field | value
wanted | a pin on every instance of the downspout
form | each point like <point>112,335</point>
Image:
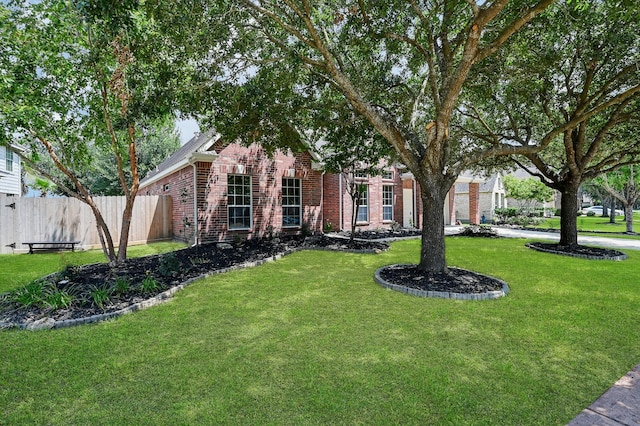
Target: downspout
<point>415,204</point>
<point>195,204</point>
<point>340,203</point>
<point>322,202</point>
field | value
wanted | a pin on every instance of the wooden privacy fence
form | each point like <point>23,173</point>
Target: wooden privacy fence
<point>67,219</point>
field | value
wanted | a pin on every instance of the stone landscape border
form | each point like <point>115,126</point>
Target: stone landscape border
<point>442,294</point>
<point>578,255</point>
<point>47,323</point>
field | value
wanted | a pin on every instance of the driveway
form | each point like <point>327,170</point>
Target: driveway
<point>614,243</point>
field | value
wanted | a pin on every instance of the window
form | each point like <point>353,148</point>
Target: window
<point>239,201</point>
<point>498,201</point>
<point>363,204</point>
<point>9,161</point>
<point>360,175</point>
<point>291,202</point>
<point>387,175</point>
<point>387,203</point>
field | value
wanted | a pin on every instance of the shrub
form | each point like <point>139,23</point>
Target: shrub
<point>478,231</point>
<point>30,295</point>
<point>305,229</point>
<point>100,295</point>
<point>58,299</point>
<point>591,214</point>
<point>121,285</point>
<point>169,265</point>
<point>149,284</point>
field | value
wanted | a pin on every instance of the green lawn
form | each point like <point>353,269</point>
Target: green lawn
<point>311,339</point>
<point>588,224</point>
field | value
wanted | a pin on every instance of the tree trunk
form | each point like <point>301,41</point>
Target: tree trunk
<point>569,216</point>
<point>612,211</point>
<point>432,253</point>
<point>125,228</point>
<point>628,217</point>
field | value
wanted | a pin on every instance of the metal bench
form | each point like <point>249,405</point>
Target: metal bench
<point>51,245</point>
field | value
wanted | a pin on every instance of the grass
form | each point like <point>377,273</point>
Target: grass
<point>590,224</point>
<point>311,339</point>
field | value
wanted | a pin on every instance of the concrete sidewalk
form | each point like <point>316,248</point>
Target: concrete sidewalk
<point>620,405</point>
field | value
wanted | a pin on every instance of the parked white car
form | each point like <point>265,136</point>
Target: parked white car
<point>598,211</point>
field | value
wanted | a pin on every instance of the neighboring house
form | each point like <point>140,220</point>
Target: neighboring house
<point>10,170</point>
<point>549,206</point>
<point>226,191</point>
<point>492,196</point>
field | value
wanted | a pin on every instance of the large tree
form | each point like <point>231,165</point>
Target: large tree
<point>401,65</point>
<point>577,68</point>
<point>78,78</point>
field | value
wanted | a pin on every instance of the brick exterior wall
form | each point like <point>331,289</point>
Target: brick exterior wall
<point>339,214</point>
<point>266,186</point>
<point>474,202</point>
<point>179,186</point>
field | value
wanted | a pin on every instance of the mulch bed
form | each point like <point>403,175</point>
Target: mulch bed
<point>166,271</point>
<point>453,281</point>
<point>585,252</point>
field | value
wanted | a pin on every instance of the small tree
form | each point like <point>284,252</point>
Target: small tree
<point>621,185</point>
<point>527,192</point>
<point>77,80</point>
<point>362,157</point>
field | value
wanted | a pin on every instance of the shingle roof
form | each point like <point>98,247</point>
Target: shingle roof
<point>199,143</point>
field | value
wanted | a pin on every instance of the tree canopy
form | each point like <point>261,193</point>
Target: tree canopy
<point>78,78</point>
<point>272,66</point>
<point>576,69</point>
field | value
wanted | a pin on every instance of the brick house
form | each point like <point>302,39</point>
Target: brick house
<point>492,195</point>
<point>225,191</point>
<point>240,192</point>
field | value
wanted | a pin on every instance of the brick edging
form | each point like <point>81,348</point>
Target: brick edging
<point>441,294</point>
<point>581,256</point>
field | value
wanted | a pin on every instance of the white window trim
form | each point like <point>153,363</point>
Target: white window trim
<point>366,198</point>
<point>299,205</point>
<point>9,159</point>
<point>387,205</point>
<point>229,206</point>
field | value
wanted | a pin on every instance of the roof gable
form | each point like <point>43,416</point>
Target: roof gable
<point>200,143</point>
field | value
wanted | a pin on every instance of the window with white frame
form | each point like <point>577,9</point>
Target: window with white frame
<point>387,175</point>
<point>387,202</point>
<point>9,164</point>
<point>360,175</point>
<point>239,201</point>
<point>363,204</point>
<point>291,202</point>
<point>3,158</point>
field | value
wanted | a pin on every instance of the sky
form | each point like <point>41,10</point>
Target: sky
<point>187,129</point>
